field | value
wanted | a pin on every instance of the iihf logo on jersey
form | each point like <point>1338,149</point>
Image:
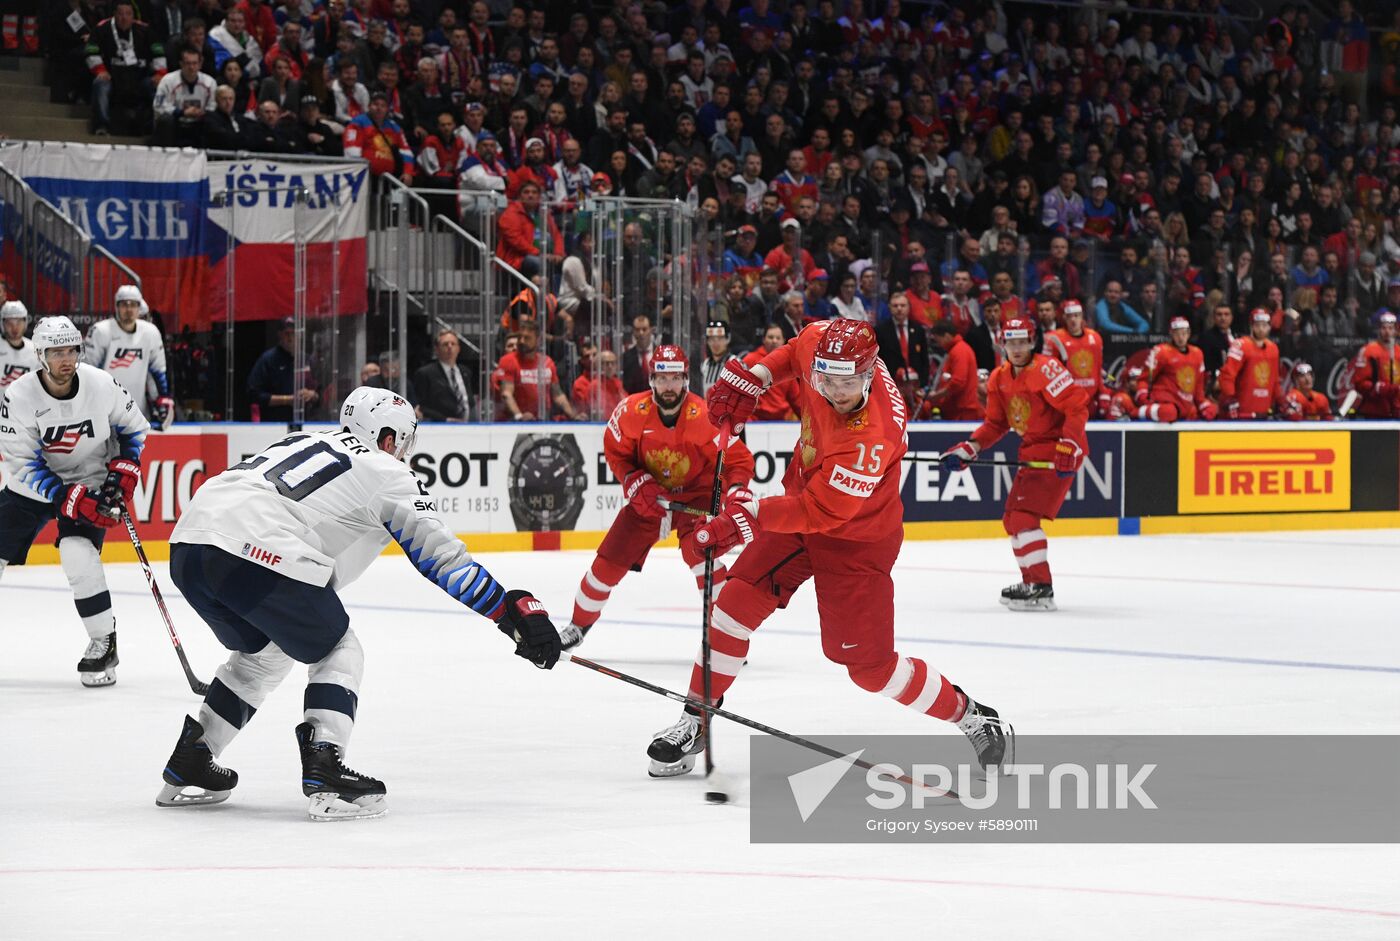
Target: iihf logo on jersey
<point>62,439</point>
<point>259,554</point>
<point>124,357</point>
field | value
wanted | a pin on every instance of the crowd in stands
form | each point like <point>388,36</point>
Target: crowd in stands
<point>935,168</point>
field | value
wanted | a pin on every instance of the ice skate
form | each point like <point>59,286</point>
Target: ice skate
<point>1010,591</point>
<point>571,636</point>
<point>673,750</point>
<point>191,776</point>
<point>993,740</point>
<point>336,792</point>
<point>99,664</point>
<point>1033,597</point>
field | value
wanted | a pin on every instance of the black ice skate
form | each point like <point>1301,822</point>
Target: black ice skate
<point>1029,597</point>
<point>336,792</point>
<point>993,740</point>
<point>572,635</point>
<point>672,751</point>
<point>191,776</point>
<point>99,664</point>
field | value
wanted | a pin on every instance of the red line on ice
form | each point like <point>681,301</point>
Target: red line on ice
<point>736,874</point>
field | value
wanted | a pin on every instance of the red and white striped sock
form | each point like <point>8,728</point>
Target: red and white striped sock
<point>729,646</point>
<point>31,35</point>
<point>698,570</point>
<point>9,31</point>
<point>594,590</point>
<point>914,685</point>
<point>1031,549</point>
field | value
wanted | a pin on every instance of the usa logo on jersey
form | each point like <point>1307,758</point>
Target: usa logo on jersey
<point>123,358</point>
<point>62,439</point>
<point>12,372</point>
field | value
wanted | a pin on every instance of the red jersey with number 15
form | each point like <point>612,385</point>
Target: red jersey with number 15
<point>844,477</point>
<point>1041,403</point>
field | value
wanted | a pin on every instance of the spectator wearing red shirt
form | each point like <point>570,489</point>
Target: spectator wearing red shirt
<point>525,373</point>
<point>925,306</point>
<point>379,140</point>
<point>597,394</point>
<point>794,182</point>
<point>793,262</point>
<point>518,242</point>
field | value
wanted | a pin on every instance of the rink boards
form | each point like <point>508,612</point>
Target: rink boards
<point>547,486</point>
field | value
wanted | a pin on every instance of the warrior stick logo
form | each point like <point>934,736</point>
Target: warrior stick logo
<point>62,439</point>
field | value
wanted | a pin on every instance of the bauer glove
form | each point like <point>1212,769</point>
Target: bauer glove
<point>525,621</point>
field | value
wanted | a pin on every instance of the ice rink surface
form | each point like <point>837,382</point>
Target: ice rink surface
<point>519,801</point>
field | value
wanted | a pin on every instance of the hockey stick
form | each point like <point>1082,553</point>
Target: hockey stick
<point>718,792</point>
<point>988,462</point>
<point>684,508</point>
<point>708,710</point>
<point>196,687</point>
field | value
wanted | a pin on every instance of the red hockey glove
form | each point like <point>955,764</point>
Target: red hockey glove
<point>733,397</point>
<point>736,526</point>
<point>1141,396</point>
<point>1068,456</point>
<point>77,503</point>
<point>1232,407</point>
<point>163,412</point>
<point>642,493</point>
<point>960,454</point>
<point>1208,410</point>
<point>122,476</point>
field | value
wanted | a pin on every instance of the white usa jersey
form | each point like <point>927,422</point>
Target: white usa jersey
<point>320,507</point>
<point>129,357</point>
<point>16,362</point>
<point>50,442</point>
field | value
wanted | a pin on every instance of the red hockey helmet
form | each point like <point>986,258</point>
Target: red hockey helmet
<point>669,360</point>
<point>1072,306</point>
<point>846,354</point>
<point>1017,328</point>
<point>847,348</point>
<point>1260,315</point>
<point>1179,323</point>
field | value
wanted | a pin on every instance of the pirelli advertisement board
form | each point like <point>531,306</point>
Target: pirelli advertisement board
<point>1261,470</point>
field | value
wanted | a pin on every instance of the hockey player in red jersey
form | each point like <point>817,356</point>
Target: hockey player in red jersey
<point>1304,402</point>
<point>1037,397</point>
<point>1377,372</point>
<point>1084,357</point>
<point>1173,384</point>
<point>839,522</point>
<point>660,446</point>
<point>1249,380</point>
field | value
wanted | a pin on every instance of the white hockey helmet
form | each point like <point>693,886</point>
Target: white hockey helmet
<point>369,412</point>
<point>53,333</point>
<point>128,292</point>
<point>14,310</point>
